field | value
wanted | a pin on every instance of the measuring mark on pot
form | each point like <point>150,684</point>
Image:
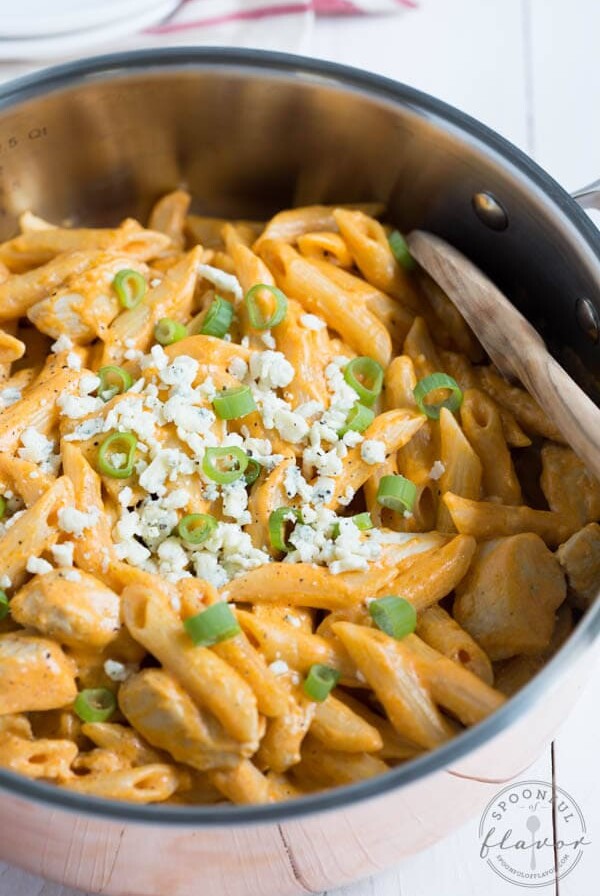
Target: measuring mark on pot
<point>489,211</point>
<point>35,133</point>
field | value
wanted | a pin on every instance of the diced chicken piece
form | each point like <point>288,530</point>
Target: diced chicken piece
<point>86,304</point>
<point>165,715</point>
<point>569,488</point>
<point>80,612</point>
<point>35,674</point>
<point>580,559</point>
<point>509,598</point>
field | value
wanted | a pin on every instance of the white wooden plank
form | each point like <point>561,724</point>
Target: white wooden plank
<point>566,89</point>
<point>576,771</point>
<point>466,52</point>
<point>14,882</point>
<point>451,866</point>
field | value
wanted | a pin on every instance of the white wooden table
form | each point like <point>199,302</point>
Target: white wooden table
<point>530,69</point>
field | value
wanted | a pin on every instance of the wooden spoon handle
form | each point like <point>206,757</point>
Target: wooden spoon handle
<point>513,344</point>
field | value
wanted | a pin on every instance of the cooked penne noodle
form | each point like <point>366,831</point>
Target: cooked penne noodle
<point>40,758</point>
<point>368,244</point>
<point>11,348</point>
<point>459,333</point>
<point>438,629</point>
<point>433,574</point>
<point>37,247</point>
<point>393,315</point>
<point>482,426</point>
<point>325,246</point>
<point>34,531</point>
<point>133,329</point>
<point>420,348</point>
<point>24,478</point>
<point>169,216</point>
<point>319,295</point>
<point>462,468</point>
<point>36,411</point>
<point>145,784</point>
<point>454,687</point>
<point>122,741</point>
<point>484,519</point>
<point>242,784</point>
<point>525,408</point>
<point>297,649</point>
<point>291,224</point>
<point>393,429</point>
<point>395,679</point>
<point>280,747</point>
<point>339,728</point>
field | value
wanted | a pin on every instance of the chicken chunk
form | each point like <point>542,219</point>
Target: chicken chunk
<point>165,715</point>
<point>35,674</point>
<point>78,612</point>
<point>580,559</point>
<point>569,488</point>
<point>509,598</point>
<point>86,304</point>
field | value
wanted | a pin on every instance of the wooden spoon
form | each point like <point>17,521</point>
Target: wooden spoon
<point>515,347</point>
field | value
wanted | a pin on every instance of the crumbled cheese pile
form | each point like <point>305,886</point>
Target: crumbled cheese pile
<point>169,410</point>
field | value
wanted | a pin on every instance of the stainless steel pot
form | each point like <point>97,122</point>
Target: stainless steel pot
<point>250,132</point>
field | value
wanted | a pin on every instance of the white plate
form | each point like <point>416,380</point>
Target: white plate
<point>74,43</point>
<point>29,19</point>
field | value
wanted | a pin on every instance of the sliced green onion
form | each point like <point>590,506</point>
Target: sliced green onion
<point>362,521</point>
<point>235,459</point>
<point>95,704</point>
<point>113,381</point>
<point>218,318</point>
<point>117,443</point>
<point>277,527</point>
<point>320,681</point>
<point>231,404</point>
<point>396,493</point>
<point>4,605</point>
<point>393,615</point>
<point>365,376</point>
<point>256,316</point>
<point>253,471</point>
<point>216,623</point>
<point>359,418</point>
<point>430,384</point>
<point>2,506</point>
<point>400,250</point>
<point>168,331</point>
<point>130,287</point>
<point>195,528</point>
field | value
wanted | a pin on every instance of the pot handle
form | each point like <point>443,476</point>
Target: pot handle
<point>588,197</point>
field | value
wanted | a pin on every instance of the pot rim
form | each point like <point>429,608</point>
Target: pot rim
<point>114,65</point>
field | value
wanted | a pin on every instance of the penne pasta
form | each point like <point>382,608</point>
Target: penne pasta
<point>484,519</point>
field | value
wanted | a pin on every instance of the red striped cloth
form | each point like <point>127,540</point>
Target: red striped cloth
<point>192,14</point>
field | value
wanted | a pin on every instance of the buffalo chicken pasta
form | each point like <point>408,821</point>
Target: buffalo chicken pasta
<point>270,521</point>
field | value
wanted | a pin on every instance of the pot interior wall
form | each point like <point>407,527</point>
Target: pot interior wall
<point>247,140</point>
